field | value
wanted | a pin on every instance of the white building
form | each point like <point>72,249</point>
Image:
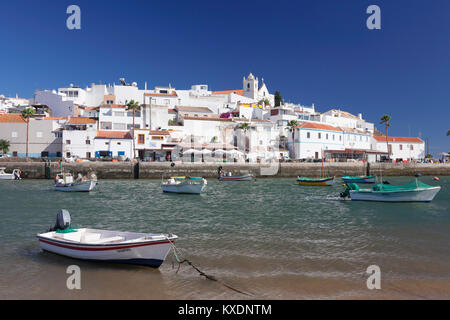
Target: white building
<point>78,137</point>
<point>339,118</point>
<point>154,145</point>
<point>400,148</point>
<point>113,144</point>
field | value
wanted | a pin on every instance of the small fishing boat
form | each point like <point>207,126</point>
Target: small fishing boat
<point>15,175</point>
<point>191,185</point>
<point>65,182</point>
<point>149,249</point>
<point>361,179</point>
<point>328,181</point>
<point>415,191</point>
<point>229,177</point>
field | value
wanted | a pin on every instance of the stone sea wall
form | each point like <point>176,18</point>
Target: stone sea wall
<point>156,170</point>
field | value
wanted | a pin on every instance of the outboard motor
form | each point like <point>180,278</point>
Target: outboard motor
<point>62,220</point>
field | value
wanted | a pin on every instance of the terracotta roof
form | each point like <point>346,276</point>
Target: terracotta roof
<point>113,135</point>
<point>398,139</point>
<point>238,91</point>
<point>81,120</point>
<point>208,118</point>
<point>12,118</point>
<point>172,111</point>
<point>113,106</point>
<point>159,132</point>
<point>173,94</point>
<point>193,109</point>
<point>55,118</point>
<point>344,114</point>
<point>91,108</point>
<point>320,126</point>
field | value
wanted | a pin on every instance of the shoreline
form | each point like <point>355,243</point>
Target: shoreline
<point>157,170</point>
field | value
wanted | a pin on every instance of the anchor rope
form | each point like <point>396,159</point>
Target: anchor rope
<point>203,274</point>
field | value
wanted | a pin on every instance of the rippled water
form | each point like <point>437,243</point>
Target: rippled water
<point>270,238</point>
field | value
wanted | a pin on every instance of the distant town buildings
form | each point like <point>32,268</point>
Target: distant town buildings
<point>171,124</point>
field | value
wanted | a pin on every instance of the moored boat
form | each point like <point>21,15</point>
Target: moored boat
<point>415,191</point>
<point>147,249</point>
<point>65,182</point>
<point>190,185</point>
<point>15,175</point>
<point>360,179</point>
<point>328,181</point>
<point>245,177</point>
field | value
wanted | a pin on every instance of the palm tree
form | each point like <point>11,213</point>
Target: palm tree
<point>245,126</point>
<point>386,121</point>
<point>27,113</point>
<point>448,133</point>
<point>292,125</point>
<point>4,146</point>
<point>134,106</point>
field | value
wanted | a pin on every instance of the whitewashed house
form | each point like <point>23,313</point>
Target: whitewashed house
<point>400,148</point>
<point>113,144</point>
<point>153,145</point>
<point>78,137</point>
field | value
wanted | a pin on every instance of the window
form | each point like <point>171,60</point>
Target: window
<point>308,135</point>
<point>401,147</point>
<point>109,102</point>
<point>119,143</point>
<point>68,154</point>
<point>88,155</point>
<point>119,126</point>
<point>120,113</point>
<point>157,138</point>
<point>141,139</point>
<point>412,147</point>
<point>58,154</point>
<point>58,134</point>
<point>44,154</point>
<point>333,137</point>
<point>67,141</point>
<point>88,141</point>
<point>319,135</point>
<point>340,138</point>
<point>326,136</point>
<point>14,153</point>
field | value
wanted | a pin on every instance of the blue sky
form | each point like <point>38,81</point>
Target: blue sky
<point>317,52</point>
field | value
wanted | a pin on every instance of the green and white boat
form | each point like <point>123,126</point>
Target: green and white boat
<point>415,191</point>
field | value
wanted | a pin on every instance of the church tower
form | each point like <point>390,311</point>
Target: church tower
<point>250,86</point>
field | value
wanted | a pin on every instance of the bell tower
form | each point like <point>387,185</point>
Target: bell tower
<point>250,86</point>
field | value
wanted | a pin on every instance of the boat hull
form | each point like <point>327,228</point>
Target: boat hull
<point>418,195</point>
<point>150,253</point>
<point>7,176</point>
<point>316,182</point>
<point>368,179</point>
<point>183,188</point>
<point>247,177</point>
<point>83,186</point>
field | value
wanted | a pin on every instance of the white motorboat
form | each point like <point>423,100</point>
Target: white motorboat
<point>192,185</point>
<point>415,191</point>
<point>15,175</point>
<point>65,182</point>
<point>229,177</point>
<point>149,249</point>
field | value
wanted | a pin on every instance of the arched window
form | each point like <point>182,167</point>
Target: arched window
<point>248,85</point>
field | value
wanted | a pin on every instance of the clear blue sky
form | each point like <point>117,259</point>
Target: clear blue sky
<point>317,52</point>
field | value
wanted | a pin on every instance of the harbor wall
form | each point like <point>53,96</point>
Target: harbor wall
<point>156,170</point>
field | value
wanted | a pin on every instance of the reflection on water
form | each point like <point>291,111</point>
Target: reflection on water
<point>272,238</point>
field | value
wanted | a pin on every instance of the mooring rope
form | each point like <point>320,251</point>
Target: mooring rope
<point>203,274</point>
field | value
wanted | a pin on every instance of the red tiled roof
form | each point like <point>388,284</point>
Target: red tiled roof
<point>238,91</point>
<point>172,111</point>
<point>55,118</point>
<point>113,135</point>
<point>81,120</point>
<point>320,126</point>
<point>208,118</point>
<point>12,118</point>
<point>173,94</point>
<point>113,106</point>
<point>398,139</point>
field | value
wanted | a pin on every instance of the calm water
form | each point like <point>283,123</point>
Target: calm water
<point>270,238</point>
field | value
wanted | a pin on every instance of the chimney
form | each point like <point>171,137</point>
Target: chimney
<point>360,115</point>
